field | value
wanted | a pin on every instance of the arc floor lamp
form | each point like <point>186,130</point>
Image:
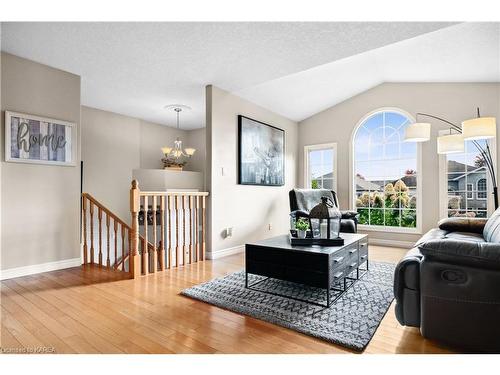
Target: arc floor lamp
<point>471,130</point>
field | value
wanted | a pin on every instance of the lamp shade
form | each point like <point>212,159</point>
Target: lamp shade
<point>418,132</point>
<point>166,150</point>
<point>450,144</point>
<point>479,128</point>
<point>190,151</point>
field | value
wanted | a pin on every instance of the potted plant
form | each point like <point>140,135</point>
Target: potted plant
<point>302,225</point>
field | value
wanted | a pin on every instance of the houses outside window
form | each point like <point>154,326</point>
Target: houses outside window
<point>465,183</point>
<point>386,173</point>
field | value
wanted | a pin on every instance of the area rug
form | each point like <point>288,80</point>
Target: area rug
<point>350,322</point>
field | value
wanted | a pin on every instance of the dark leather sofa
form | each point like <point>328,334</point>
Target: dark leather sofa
<point>448,285</point>
<point>303,200</point>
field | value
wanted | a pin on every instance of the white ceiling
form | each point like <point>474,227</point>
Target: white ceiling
<point>137,68</point>
<point>463,53</point>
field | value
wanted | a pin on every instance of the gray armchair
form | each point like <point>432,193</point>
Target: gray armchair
<point>303,200</point>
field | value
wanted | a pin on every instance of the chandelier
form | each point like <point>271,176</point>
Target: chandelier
<point>176,157</point>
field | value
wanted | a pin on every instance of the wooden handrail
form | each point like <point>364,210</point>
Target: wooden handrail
<point>105,209</point>
<point>165,193</point>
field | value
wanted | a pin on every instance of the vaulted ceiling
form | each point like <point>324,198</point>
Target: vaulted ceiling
<point>295,69</point>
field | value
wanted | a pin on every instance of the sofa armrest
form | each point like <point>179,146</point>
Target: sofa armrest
<point>463,224</point>
<point>300,213</point>
<point>407,289</point>
<point>469,253</point>
<point>353,215</point>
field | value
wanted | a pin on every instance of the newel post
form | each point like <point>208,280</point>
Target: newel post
<point>135,265</point>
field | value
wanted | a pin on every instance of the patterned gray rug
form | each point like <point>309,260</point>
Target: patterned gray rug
<point>351,321</point>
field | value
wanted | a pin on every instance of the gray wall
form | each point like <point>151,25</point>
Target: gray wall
<point>113,145</point>
<point>248,209</point>
<point>40,203</point>
<point>453,101</point>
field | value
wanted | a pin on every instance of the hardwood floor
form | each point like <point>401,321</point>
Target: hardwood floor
<point>88,310</point>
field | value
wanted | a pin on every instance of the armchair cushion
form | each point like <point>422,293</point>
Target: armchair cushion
<point>469,253</point>
<point>306,199</point>
<point>463,224</point>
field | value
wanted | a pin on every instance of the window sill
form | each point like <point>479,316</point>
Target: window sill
<point>379,228</point>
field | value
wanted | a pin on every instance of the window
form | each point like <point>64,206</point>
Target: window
<point>481,188</point>
<point>321,166</point>
<point>386,177</point>
<point>469,191</point>
<point>465,182</point>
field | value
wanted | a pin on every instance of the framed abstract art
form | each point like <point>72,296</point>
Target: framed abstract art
<point>261,149</point>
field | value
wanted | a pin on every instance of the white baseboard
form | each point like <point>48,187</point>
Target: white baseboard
<point>226,252</point>
<point>390,243</point>
<point>38,268</point>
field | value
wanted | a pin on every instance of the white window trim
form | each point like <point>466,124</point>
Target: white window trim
<point>322,146</point>
<point>471,191</point>
<point>352,187</point>
<point>481,191</point>
<point>443,183</point>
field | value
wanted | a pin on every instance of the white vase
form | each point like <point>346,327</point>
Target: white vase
<point>301,233</point>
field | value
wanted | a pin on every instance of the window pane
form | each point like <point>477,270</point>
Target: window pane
<point>385,176</point>
<point>362,198</point>
<point>409,218</point>
<point>328,183</point>
<point>320,167</point>
<point>376,216</point>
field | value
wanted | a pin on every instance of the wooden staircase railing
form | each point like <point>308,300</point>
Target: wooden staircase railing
<point>168,230</point>
<point>180,238</point>
<point>115,251</point>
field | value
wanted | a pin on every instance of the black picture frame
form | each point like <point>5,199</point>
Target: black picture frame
<point>244,178</point>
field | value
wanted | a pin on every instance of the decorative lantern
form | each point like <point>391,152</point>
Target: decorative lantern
<point>325,219</point>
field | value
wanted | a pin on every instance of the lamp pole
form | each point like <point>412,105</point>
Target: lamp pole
<point>485,152</point>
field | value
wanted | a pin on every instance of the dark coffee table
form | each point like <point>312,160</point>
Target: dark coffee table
<point>324,267</point>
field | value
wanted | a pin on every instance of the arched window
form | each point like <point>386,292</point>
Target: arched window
<point>481,188</point>
<point>385,172</point>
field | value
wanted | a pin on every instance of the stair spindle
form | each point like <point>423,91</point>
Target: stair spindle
<point>145,265</point>
<point>124,252</point>
<point>154,254</point>
<point>108,262</point>
<point>161,254</point>
<point>177,249</point>
<point>170,206</point>
<point>84,222</point>
<point>196,224</point>
<point>183,230</point>
<point>92,233</point>
<point>115,233</point>
<point>99,218</point>
<point>203,224</point>
<point>190,229</point>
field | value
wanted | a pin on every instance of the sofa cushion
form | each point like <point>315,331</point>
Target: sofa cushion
<point>463,224</point>
<point>491,232</point>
